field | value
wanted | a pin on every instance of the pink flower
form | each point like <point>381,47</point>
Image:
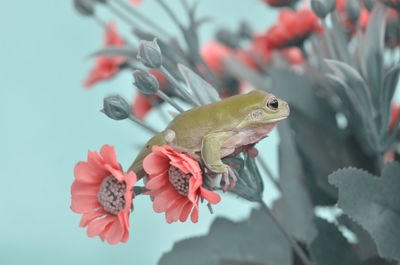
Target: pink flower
<point>103,194</point>
<point>136,2</point>
<point>349,24</point>
<point>106,66</point>
<point>213,53</point>
<point>395,111</point>
<point>176,184</point>
<point>141,106</point>
<point>292,29</point>
<point>293,55</point>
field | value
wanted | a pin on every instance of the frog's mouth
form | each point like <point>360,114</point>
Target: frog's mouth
<point>277,119</point>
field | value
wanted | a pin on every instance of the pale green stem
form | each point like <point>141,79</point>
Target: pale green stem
<point>299,251</point>
<point>142,124</point>
<point>164,97</point>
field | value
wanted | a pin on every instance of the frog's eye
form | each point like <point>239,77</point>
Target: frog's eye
<point>273,104</point>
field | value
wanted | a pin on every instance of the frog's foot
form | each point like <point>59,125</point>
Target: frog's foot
<point>226,175</point>
<point>226,172</point>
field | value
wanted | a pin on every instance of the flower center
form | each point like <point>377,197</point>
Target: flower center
<point>112,195</point>
<point>179,180</point>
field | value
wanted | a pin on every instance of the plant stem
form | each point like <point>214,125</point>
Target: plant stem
<point>122,16</point>
<point>328,39</point>
<point>268,172</point>
<point>175,83</point>
<point>299,251</point>
<point>164,97</point>
<point>144,125</point>
<point>142,17</point>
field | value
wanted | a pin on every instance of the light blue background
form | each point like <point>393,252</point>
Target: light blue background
<point>48,122</point>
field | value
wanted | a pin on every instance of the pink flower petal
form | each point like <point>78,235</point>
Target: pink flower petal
<point>96,163</point>
<point>98,226</point>
<point>195,215</point>
<point>117,173</point>
<point>84,172</point>
<point>210,196</point>
<point>165,199</point>
<point>158,181</point>
<point>115,233</point>
<point>90,216</point>
<point>186,211</point>
<point>84,188</point>
<point>130,179</point>
<point>103,234</point>
<point>109,156</point>
<point>84,203</point>
<point>124,219</point>
<point>174,211</point>
<point>154,164</point>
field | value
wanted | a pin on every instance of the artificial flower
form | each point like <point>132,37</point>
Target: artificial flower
<point>175,182</point>
<point>106,66</point>
<point>103,194</point>
<point>136,2</point>
<point>395,110</point>
<point>292,29</point>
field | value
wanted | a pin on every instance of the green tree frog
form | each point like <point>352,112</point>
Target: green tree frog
<point>219,130</point>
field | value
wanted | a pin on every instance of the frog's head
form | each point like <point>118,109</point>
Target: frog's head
<point>265,110</point>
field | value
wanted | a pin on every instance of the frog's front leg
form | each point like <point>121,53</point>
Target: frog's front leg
<point>211,155</point>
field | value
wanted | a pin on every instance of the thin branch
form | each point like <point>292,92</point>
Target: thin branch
<point>299,251</point>
<point>134,12</point>
<point>268,172</point>
<point>142,124</point>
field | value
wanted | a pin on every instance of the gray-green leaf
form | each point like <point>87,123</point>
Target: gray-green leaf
<point>373,202</point>
<point>255,240</point>
<point>202,90</point>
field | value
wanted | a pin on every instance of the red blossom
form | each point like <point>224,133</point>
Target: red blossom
<point>214,53</point>
<point>102,193</point>
<point>349,24</point>
<point>292,29</point>
<point>395,111</point>
<point>176,184</point>
<point>106,66</point>
<point>292,55</point>
<point>136,2</point>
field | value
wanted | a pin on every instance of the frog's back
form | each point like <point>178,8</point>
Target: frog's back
<point>190,126</point>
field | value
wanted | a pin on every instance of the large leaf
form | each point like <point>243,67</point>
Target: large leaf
<point>330,247</point>
<point>202,90</point>
<point>322,146</point>
<point>373,202</point>
<point>323,151</point>
<point>294,209</point>
<point>373,52</point>
<point>256,240</point>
